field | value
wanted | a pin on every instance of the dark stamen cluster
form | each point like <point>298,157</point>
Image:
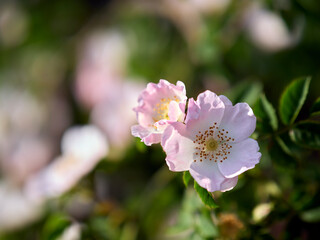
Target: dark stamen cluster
<point>212,144</point>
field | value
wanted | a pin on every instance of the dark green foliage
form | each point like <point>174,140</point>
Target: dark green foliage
<point>54,226</point>
<point>292,99</point>
<point>267,120</point>
<point>307,134</point>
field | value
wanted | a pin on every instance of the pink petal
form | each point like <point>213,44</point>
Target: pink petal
<point>147,136</point>
<point>239,121</point>
<point>144,114</point>
<point>139,131</point>
<point>174,111</point>
<point>152,138</point>
<point>152,95</point>
<point>208,176</point>
<point>225,100</point>
<point>193,110</point>
<point>178,147</point>
<point>243,156</point>
<point>203,113</point>
<point>229,184</point>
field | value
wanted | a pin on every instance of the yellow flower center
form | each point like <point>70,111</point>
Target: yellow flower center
<point>211,144</point>
<point>161,108</point>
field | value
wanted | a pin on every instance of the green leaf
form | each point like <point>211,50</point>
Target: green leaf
<point>312,215</point>
<point>55,225</point>
<point>315,116</point>
<point>186,178</point>
<point>141,146</point>
<point>316,106</point>
<point>306,135</point>
<point>205,196</point>
<point>281,154</point>
<point>267,118</point>
<point>205,226</point>
<point>292,99</point>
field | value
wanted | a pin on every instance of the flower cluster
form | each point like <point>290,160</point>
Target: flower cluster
<point>211,140</point>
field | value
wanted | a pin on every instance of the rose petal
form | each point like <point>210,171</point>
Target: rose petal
<point>152,138</point>
<point>229,184</point>
<point>239,121</point>
<point>193,110</point>
<point>225,100</point>
<point>178,147</point>
<point>243,156</point>
<point>146,135</point>
<point>174,111</point>
<point>208,176</point>
<point>139,131</point>
<point>203,113</point>
<point>153,95</point>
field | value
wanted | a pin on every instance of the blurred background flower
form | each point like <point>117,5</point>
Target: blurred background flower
<point>70,74</point>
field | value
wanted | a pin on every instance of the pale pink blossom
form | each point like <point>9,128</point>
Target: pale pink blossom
<point>101,68</point>
<point>115,116</point>
<point>17,210</point>
<point>210,6</point>
<point>82,148</point>
<point>268,31</point>
<point>25,147</point>
<point>214,143</point>
<point>158,104</point>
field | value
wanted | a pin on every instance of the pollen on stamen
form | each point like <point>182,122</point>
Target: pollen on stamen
<point>211,146</point>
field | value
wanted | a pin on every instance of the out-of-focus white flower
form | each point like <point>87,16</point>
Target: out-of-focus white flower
<point>82,148</point>
<point>267,30</point>
<point>16,209</point>
<point>184,15</point>
<point>261,211</point>
<point>23,147</point>
<point>73,232</point>
<point>24,156</point>
<point>210,6</point>
<point>102,65</point>
<point>116,117</point>
<point>84,142</point>
<point>103,86</point>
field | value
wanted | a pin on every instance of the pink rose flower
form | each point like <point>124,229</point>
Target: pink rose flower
<point>214,143</point>
<point>159,104</point>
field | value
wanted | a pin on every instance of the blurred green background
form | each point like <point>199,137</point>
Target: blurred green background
<point>62,62</point>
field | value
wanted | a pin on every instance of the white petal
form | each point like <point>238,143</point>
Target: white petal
<point>243,156</point>
<point>207,175</point>
<point>225,100</point>
<point>202,114</point>
<point>178,147</point>
<point>229,184</point>
<point>86,142</point>
<point>239,121</point>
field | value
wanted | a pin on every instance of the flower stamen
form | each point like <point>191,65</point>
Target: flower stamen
<point>212,144</point>
<point>161,108</point>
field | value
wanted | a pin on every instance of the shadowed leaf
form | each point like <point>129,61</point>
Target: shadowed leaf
<point>292,99</point>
